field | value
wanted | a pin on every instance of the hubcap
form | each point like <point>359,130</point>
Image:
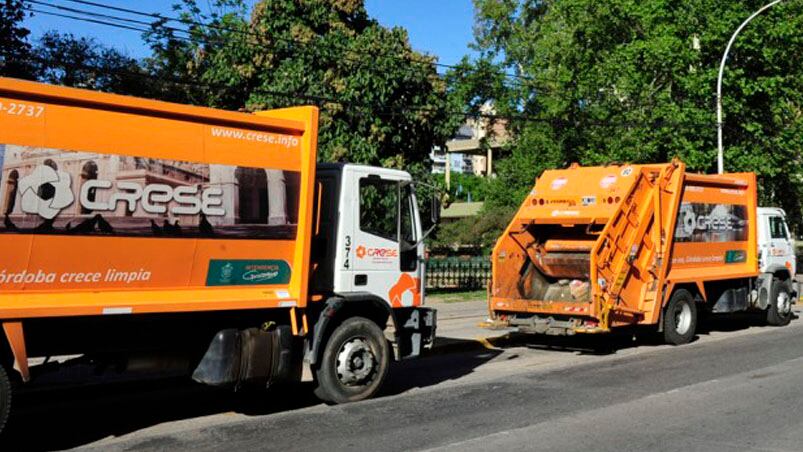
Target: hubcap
<point>355,362</point>
<point>784,303</point>
<point>682,318</point>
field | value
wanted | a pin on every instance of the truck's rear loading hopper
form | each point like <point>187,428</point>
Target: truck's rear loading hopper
<point>594,248</point>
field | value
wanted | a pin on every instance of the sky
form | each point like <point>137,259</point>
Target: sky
<point>442,28</point>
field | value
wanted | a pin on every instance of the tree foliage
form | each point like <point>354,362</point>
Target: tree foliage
<point>15,51</point>
<point>627,80</point>
<point>464,186</point>
<point>382,103</point>
<point>472,234</point>
<point>85,63</point>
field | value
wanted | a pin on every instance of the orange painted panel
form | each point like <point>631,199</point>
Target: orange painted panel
<point>85,129</point>
<point>92,263</point>
<point>112,194</point>
<point>23,122</point>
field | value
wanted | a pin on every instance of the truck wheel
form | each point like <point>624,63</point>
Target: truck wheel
<point>5,398</point>
<point>779,312</point>
<point>680,318</point>
<point>354,364</point>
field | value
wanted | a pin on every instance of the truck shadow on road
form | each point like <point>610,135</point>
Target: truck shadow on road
<point>608,344</point>
<point>460,359</point>
<point>56,419</point>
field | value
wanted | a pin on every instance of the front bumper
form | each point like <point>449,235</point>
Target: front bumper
<point>416,329</point>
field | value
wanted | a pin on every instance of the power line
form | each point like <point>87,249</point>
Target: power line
<point>84,19</point>
<point>100,18</point>
<point>103,19</point>
<point>317,99</point>
<point>185,21</point>
<point>225,87</point>
<point>93,14</point>
<point>321,101</point>
<point>362,109</point>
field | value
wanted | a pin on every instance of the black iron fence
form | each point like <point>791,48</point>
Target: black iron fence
<point>458,273</point>
<point>799,255</point>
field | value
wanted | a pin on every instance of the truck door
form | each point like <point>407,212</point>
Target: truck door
<point>780,248</point>
<point>386,257</point>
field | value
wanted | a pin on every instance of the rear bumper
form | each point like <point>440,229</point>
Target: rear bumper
<point>500,306</point>
<point>563,318</point>
<point>554,326</point>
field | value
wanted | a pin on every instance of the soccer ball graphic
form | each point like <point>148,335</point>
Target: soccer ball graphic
<point>46,192</point>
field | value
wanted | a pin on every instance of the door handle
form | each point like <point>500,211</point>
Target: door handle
<point>361,280</point>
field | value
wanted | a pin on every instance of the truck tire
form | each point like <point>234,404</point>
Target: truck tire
<point>5,398</point>
<point>680,318</point>
<point>779,311</point>
<point>354,364</point>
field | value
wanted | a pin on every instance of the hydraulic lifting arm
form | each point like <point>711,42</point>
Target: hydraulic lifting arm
<point>628,262</point>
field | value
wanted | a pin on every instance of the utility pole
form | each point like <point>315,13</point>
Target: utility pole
<point>720,153</point>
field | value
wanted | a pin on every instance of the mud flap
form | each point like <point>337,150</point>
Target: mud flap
<point>249,356</point>
<point>731,300</point>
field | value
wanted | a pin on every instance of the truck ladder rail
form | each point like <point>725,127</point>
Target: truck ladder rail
<point>628,256</point>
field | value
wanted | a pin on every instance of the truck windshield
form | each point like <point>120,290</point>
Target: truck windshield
<point>778,228</point>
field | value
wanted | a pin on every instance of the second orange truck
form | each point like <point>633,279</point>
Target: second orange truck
<point>597,248</point>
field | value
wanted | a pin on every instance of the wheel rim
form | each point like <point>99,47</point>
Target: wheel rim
<point>356,362</point>
<point>682,318</point>
<point>783,303</point>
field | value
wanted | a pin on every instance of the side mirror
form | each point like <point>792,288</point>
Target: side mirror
<point>436,209</point>
<point>436,202</point>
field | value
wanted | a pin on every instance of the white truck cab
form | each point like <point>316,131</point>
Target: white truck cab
<point>368,254</point>
<point>776,247</point>
<point>776,289</point>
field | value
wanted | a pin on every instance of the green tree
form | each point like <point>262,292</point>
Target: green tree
<point>85,63</point>
<point>382,103</point>
<point>15,51</point>
<point>472,234</point>
<point>627,80</point>
<point>462,186</point>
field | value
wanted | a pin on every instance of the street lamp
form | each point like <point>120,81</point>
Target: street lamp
<point>720,158</point>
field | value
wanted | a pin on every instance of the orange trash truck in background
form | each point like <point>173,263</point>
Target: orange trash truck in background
<point>190,240</point>
<point>597,248</point>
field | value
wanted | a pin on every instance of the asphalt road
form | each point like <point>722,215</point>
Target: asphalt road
<point>738,387</point>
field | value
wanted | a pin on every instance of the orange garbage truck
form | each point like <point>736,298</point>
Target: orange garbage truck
<point>592,249</point>
<point>142,237</point>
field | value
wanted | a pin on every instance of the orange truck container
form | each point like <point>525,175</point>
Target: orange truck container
<point>597,248</point>
<point>198,241</point>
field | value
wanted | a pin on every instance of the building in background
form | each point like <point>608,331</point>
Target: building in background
<point>472,148</point>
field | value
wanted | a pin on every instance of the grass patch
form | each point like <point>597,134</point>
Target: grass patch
<point>457,297</point>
